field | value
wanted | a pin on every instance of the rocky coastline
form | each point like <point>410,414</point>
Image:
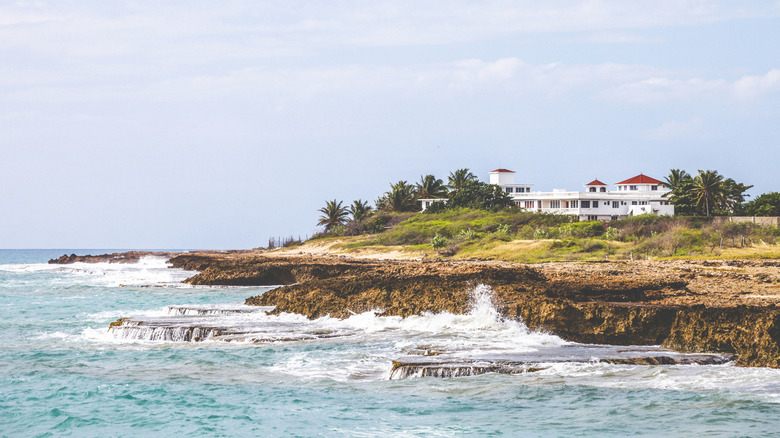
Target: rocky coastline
<point>117,257</point>
<point>696,306</point>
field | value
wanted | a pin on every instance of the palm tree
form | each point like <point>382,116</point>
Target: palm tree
<point>430,187</point>
<point>360,210</point>
<point>333,214</point>
<point>399,198</point>
<point>708,189</point>
<point>459,178</point>
<point>676,179</point>
<point>734,194</point>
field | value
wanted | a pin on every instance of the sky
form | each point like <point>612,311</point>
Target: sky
<point>202,124</point>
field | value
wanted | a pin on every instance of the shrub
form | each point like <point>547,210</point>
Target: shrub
<point>467,234</point>
<point>438,241</point>
<point>377,223</point>
<point>541,233</point>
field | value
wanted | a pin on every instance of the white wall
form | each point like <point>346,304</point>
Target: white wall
<point>502,178</point>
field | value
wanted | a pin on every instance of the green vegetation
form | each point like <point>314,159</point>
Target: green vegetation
<point>767,204</point>
<point>513,235</point>
<point>480,220</point>
<point>333,215</point>
<point>430,187</point>
<point>705,194</point>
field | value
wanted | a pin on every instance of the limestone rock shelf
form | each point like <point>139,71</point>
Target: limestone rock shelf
<point>704,306</point>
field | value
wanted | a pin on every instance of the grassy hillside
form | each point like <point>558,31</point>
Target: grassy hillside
<point>530,237</point>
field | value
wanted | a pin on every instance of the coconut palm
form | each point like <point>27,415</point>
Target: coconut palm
<point>430,187</point>
<point>399,198</point>
<point>734,194</point>
<point>676,179</point>
<point>360,210</point>
<point>459,178</point>
<point>708,189</point>
<point>333,214</point>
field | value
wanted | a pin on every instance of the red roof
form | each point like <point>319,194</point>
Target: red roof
<point>595,182</point>
<point>502,170</point>
<point>640,179</point>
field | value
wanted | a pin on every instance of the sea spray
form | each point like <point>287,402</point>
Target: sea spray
<point>63,373</point>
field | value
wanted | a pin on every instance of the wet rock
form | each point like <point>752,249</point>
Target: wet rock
<point>696,306</point>
<point>117,257</point>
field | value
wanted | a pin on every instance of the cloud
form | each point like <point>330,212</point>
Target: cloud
<point>673,130</point>
<point>234,28</point>
<point>749,87</point>
<point>663,89</point>
<point>668,88</point>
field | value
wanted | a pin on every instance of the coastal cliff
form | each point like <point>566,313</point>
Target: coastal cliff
<point>692,306</point>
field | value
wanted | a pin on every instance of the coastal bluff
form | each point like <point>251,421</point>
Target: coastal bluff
<point>697,306</point>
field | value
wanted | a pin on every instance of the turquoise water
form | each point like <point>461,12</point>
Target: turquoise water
<point>62,373</point>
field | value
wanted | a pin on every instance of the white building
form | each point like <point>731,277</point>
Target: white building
<point>634,196</point>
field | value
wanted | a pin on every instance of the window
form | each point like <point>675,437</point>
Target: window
<point>585,204</point>
<point>633,202</point>
<point>595,204</point>
<point>642,202</point>
<point>631,187</point>
<point>592,189</point>
<point>603,189</point>
<point>555,204</point>
<point>529,204</point>
<point>520,189</point>
<point>573,204</point>
<point>615,204</point>
<point>593,218</point>
<point>508,189</point>
<point>653,187</point>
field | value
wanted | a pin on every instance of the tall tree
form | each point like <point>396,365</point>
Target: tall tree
<point>430,187</point>
<point>676,179</point>
<point>333,214</point>
<point>767,204</point>
<point>399,198</point>
<point>481,196</point>
<point>734,196</point>
<point>709,190</point>
<point>680,185</point>
<point>459,178</point>
<point>360,210</point>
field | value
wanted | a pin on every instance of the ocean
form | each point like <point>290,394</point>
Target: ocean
<point>194,361</point>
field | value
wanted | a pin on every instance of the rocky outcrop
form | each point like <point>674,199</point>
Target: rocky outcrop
<point>694,306</point>
<point>262,271</point>
<point>117,257</point>
<point>406,369</point>
<point>752,332</point>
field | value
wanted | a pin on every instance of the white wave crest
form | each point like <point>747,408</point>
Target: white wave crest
<point>148,271</point>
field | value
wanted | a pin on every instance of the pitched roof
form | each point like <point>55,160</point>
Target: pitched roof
<point>502,170</point>
<point>640,179</point>
<point>595,182</point>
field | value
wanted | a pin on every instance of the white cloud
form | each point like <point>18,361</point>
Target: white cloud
<point>663,89</point>
<point>669,88</point>
<point>208,29</point>
<point>748,87</point>
<point>673,130</point>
